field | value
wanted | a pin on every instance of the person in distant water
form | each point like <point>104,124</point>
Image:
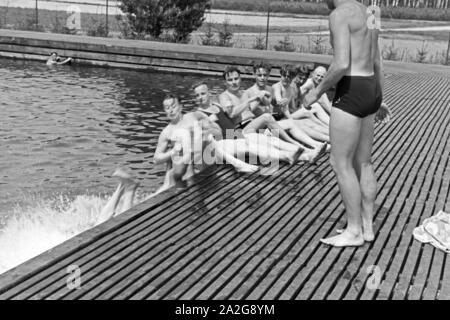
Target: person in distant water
<point>54,59</point>
<point>356,69</point>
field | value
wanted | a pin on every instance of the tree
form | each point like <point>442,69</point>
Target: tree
<point>225,34</point>
<point>155,17</point>
<point>285,45</point>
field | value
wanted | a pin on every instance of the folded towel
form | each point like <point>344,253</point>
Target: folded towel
<point>436,231</point>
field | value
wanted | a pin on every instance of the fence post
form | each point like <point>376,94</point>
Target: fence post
<point>267,29</point>
<point>37,17</point>
<point>447,58</point>
<point>107,29</point>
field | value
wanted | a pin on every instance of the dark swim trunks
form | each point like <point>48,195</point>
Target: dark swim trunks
<point>358,95</point>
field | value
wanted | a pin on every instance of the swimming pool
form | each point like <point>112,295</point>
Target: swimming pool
<point>63,132</point>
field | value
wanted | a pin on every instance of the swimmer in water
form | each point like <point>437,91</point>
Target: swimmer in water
<point>177,148</point>
<point>54,59</point>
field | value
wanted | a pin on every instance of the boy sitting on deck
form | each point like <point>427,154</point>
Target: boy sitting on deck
<point>181,147</point>
<point>269,149</point>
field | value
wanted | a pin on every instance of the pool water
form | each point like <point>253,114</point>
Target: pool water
<point>63,132</point>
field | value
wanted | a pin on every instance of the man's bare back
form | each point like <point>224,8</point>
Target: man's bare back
<point>363,40</point>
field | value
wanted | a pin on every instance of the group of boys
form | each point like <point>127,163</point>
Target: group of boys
<point>267,123</point>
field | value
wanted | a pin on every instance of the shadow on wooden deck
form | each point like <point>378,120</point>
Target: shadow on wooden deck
<point>234,236</point>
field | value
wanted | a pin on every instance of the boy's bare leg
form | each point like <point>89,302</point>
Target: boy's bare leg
<point>222,154</point>
<point>110,208</point>
<point>267,121</point>
<point>130,187</point>
<point>315,134</point>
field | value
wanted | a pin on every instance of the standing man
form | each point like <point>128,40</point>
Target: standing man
<point>356,69</point>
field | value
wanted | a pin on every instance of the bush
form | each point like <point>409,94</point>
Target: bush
<point>390,52</point>
<point>225,34</point>
<point>208,37</point>
<point>165,19</point>
<point>285,45</point>
<point>58,26</point>
<point>422,53</point>
<point>97,28</point>
<point>29,24</point>
<point>260,42</point>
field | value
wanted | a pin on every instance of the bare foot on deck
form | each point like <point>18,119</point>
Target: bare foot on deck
<point>315,154</point>
<point>247,168</point>
<point>296,156</point>
<point>368,233</point>
<point>345,239</point>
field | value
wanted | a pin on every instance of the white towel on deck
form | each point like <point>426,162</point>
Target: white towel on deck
<point>436,231</point>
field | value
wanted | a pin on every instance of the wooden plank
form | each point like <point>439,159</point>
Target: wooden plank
<point>341,266</point>
<point>272,250</point>
<point>331,276</point>
<point>423,276</point>
<point>136,221</point>
<point>237,245</point>
<point>444,290</point>
<point>403,194</point>
<point>420,186</point>
<point>383,238</point>
<point>171,220</point>
<point>242,217</point>
<point>298,203</point>
<point>434,279</point>
<point>141,260</point>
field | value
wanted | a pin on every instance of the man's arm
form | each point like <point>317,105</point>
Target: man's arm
<point>232,110</point>
<point>340,35</point>
<point>306,87</point>
<point>161,153</point>
<point>325,103</point>
<point>378,68</point>
<point>207,124</point>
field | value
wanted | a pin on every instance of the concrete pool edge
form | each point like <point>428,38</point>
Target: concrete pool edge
<point>161,56</point>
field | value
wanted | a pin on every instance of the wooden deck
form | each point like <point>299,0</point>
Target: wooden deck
<point>234,236</point>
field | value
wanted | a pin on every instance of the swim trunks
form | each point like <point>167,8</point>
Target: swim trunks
<point>358,95</point>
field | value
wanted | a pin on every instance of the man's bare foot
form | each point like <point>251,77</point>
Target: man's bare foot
<point>345,239</point>
<point>368,233</point>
